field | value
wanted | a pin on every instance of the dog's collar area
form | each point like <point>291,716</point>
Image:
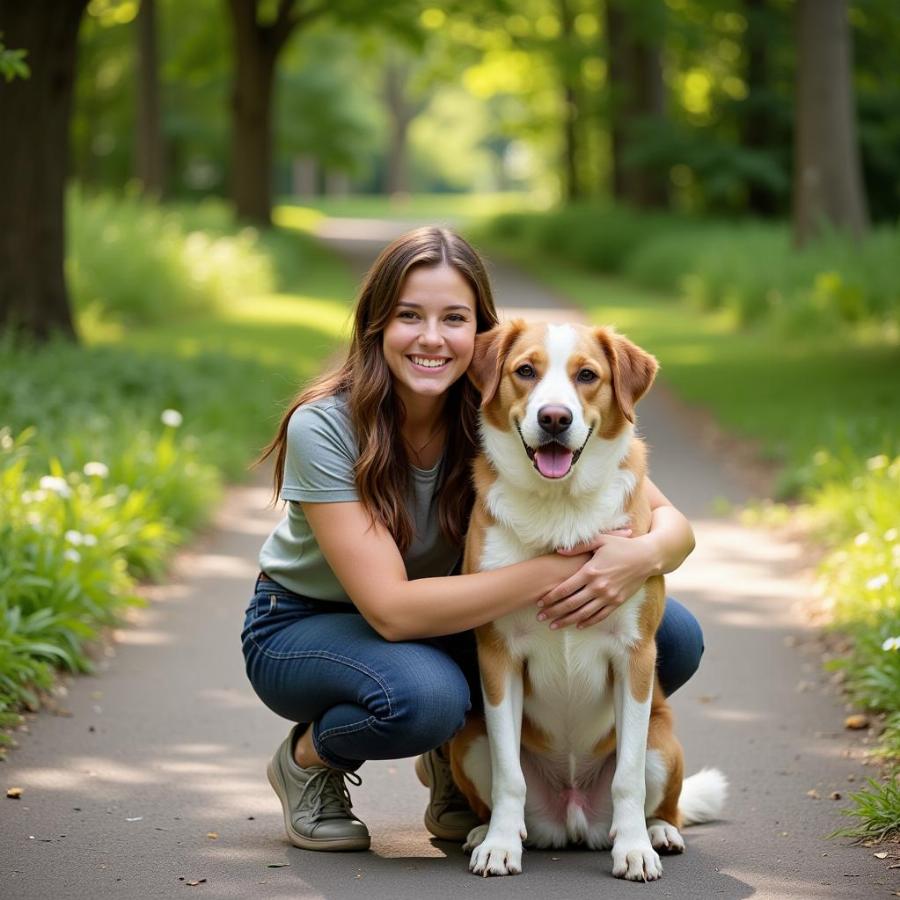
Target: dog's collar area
<point>531,450</point>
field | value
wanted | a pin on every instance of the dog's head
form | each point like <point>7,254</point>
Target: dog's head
<point>556,386</point>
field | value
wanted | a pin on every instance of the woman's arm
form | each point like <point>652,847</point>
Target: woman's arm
<point>619,566</point>
<point>366,561</point>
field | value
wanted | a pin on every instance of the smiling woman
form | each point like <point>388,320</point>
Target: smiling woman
<point>359,629</point>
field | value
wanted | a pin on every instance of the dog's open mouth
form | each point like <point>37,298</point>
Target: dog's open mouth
<point>552,460</point>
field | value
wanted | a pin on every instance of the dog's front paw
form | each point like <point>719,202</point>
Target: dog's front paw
<point>500,853</point>
<point>635,859</point>
<point>476,836</point>
<point>665,837</point>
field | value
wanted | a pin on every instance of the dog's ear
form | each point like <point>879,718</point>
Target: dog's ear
<point>633,369</point>
<point>491,349</point>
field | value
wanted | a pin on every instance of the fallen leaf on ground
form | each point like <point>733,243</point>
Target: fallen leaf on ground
<point>835,795</point>
<point>14,793</point>
<point>814,794</point>
<point>195,882</point>
<point>134,819</point>
<point>882,855</point>
<point>856,721</point>
<point>277,865</point>
<point>212,835</point>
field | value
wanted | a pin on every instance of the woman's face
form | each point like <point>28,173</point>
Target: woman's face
<point>430,338</point>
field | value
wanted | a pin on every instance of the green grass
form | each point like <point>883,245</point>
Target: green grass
<point>458,208</point>
<point>113,451</point>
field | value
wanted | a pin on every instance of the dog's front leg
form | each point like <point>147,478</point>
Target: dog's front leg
<point>500,853</point>
<point>633,856</point>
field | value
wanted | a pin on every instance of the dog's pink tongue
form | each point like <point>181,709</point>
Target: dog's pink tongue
<point>553,460</point>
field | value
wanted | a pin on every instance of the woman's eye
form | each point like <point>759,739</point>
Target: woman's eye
<point>406,314</point>
<point>525,371</point>
<point>456,317</point>
<point>587,376</point>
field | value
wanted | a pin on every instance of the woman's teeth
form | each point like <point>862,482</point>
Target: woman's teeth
<point>428,363</point>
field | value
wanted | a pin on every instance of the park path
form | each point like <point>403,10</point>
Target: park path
<point>152,773</point>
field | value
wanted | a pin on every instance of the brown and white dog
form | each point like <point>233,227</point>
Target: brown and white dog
<point>576,744</point>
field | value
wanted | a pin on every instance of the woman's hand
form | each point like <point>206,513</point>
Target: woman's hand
<point>619,566</point>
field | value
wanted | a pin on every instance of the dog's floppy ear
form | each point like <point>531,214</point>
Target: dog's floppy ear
<point>633,369</point>
<point>491,350</point>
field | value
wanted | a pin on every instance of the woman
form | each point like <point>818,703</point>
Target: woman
<point>360,630</point>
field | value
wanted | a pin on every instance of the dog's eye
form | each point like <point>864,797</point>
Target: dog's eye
<point>587,376</point>
<point>525,371</point>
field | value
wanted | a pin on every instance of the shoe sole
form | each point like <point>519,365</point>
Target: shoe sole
<point>441,832</point>
<point>305,843</point>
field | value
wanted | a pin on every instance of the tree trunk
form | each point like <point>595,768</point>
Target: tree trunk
<point>256,49</point>
<point>755,125</point>
<point>400,115</point>
<point>827,170</point>
<point>637,94</point>
<point>571,149</point>
<point>149,155</point>
<point>34,124</point>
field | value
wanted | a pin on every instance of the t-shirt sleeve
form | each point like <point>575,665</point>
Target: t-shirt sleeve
<point>321,454</point>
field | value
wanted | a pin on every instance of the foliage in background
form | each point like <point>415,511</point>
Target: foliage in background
<point>113,452</point>
<point>12,62</point>
<point>749,268</point>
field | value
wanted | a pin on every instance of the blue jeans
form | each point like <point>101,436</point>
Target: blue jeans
<point>315,661</point>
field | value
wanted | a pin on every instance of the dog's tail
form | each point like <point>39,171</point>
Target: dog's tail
<point>703,797</point>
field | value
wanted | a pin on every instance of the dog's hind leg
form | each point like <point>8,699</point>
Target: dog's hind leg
<point>665,771</point>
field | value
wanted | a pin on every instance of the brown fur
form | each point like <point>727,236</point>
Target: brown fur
<point>661,737</point>
<point>459,746</point>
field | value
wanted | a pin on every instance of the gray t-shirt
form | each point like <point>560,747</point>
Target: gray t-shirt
<point>318,468</point>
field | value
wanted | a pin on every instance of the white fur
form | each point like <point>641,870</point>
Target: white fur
<point>703,796</point>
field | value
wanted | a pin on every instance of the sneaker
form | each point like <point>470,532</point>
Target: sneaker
<point>448,816</point>
<point>316,802</point>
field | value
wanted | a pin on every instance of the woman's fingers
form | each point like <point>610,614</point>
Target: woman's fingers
<point>587,607</point>
<point>565,590</point>
<point>594,543</point>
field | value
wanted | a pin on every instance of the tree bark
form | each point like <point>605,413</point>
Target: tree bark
<point>827,171</point>
<point>256,51</point>
<point>571,148</point>
<point>755,124</point>
<point>637,93</point>
<point>34,123</point>
<point>149,155</point>
<point>400,114</point>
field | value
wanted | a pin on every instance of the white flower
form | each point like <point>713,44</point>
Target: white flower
<point>890,535</point>
<point>57,485</point>
<point>74,537</point>
<point>89,540</point>
<point>875,463</point>
<point>172,418</point>
<point>891,643</point>
<point>72,555</point>
<point>861,539</point>
<point>99,469</point>
<point>879,581</point>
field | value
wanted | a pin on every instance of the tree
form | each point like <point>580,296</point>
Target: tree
<point>637,98</point>
<point>827,171</point>
<point>148,148</point>
<point>34,124</point>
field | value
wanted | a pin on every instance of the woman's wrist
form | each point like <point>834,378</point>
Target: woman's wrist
<point>654,554</point>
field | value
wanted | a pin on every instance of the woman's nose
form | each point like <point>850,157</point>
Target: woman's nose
<point>431,335</point>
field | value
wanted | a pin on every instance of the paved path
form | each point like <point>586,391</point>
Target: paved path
<point>167,745</point>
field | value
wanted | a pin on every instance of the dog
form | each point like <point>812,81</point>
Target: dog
<point>576,744</point>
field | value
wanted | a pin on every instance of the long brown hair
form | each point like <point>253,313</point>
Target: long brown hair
<point>382,469</point>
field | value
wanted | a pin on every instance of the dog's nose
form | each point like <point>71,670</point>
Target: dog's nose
<point>554,419</point>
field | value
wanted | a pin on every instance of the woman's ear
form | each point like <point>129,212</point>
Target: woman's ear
<point>491,349</point>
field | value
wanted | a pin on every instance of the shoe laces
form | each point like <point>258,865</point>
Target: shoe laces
<point>447,796</point>
<point>329,797</point>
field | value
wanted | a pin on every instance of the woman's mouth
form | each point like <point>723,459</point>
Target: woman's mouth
<point>429,363</point>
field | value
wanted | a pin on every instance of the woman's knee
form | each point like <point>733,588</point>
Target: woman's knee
<point>679,643</point>
<point>429,698</point>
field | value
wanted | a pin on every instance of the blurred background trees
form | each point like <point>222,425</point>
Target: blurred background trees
<point>764,108</point>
